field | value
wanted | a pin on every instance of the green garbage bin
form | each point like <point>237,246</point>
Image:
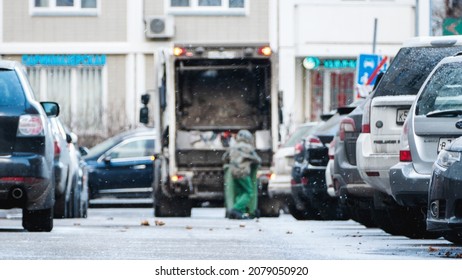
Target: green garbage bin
<point>230,191</point>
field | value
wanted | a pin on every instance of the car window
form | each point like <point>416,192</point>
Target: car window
<point>136,148</point>
<point>11,92</point>
<point>410,68</point>
<point>443,91</point>
<point>299,133</point>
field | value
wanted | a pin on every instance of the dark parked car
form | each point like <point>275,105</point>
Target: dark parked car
<point>445,192</point>
<point>355,195</point>
<point>68,173</point>
<point>122,166</point>
<point>308,184</point>
<point>26,150</point>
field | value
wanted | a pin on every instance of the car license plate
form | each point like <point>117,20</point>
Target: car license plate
<point>444,142</point>
<point>401,115</point>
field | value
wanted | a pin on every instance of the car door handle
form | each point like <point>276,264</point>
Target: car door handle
<point>139,166</point>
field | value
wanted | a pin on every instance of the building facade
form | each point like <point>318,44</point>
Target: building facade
<point>319,42</point>
<point>96,57</point>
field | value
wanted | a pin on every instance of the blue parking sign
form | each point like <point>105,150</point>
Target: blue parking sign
<point>368,66</point>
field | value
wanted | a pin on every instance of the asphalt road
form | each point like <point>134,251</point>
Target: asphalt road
<point>135,234</point>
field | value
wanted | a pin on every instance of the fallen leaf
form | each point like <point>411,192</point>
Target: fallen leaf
<point>210,229</point>
<point>76,224</point>
<point>188,227</point>
<point>159,223</point>
<point>432,249</point>
<point>145,223</point>
<point>289,232</point>
<point>242,225</point>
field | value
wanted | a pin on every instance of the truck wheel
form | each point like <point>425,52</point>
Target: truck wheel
<point>37,220</point>
<point>268,207</point>
<point>177,207</point>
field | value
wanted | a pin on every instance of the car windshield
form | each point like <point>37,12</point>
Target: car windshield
<point>442,95</point>
<point>410,68</point>
<point>301,132</point>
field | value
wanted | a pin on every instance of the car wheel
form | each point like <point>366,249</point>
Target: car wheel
<point>305,214</point>
<point>454,237</point>
<point>61,208</point>
<point>37,220</point>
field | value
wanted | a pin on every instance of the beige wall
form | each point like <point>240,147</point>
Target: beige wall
<point>19,26</point>
<point>116,113</point>
<point>253,28</point>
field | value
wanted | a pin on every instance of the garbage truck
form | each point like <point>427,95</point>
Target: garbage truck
<point>203,96</point>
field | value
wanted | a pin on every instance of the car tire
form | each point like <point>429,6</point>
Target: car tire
<point>37,220</point>
<point>454,237</point>
<point>61,208</point>
<point>305,214</point>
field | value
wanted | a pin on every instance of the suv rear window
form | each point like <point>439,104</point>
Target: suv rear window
<point>410,68</point>
<point>11,92</point>
<point>443,91</point>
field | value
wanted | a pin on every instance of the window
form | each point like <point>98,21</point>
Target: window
<point>134,149</point>
<point>64,7</point>
<point>207,7</point>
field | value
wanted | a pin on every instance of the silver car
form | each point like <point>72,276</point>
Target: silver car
<point>433,122</point>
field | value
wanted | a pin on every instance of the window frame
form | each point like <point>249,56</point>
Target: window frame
<point>194,9</point>
<point>54,10</point>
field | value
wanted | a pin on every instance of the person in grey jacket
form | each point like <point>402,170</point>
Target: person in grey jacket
<point>241,156</point>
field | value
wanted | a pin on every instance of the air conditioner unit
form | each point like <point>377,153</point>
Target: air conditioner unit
<point>160,27</point>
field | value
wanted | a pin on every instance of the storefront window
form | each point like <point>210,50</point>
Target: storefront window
<point>79,92</point>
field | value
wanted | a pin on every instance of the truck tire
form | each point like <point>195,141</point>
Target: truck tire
<point>268,207</point>
<point>172,207</point>
<point>37,220</point>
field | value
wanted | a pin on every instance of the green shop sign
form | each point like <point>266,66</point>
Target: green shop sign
<point>312,62</point>
<point>64,60</point>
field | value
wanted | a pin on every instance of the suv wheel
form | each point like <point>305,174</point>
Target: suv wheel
<point>37,220</point>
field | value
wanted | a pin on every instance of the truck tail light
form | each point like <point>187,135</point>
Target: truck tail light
<point>266,51</point>
<point>177,178</point>
<point>178,51</point>
<point>346,125</point>
<point>29,126</point>
<point>404,152</point>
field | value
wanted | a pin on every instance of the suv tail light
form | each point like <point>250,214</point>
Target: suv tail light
<point>29,126</point>
<point>404,152</point>
<point>331,151</point>
<point>405,156</point>
<point>298,148</point>
<point>346,125</point>
<point>314,141</point>
<point>57,149</point>
<point>366,125</point>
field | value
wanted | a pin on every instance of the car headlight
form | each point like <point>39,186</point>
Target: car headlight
<point>447,158</point>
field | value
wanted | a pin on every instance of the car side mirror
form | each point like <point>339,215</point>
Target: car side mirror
<point>71,138</point>
<point>83,151</point>
<point>107,159</point>
<point>51,108</point>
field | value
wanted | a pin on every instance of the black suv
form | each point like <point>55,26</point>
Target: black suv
<point>26,149</point>
<point>308,184</point>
